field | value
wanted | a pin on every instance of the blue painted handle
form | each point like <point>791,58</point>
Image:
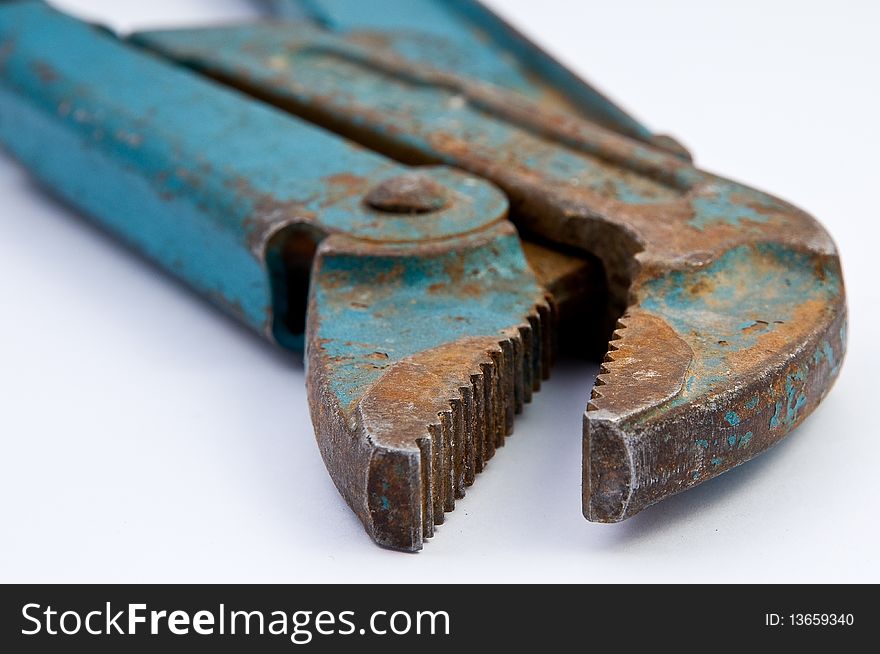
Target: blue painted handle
<point>465,37</point>
<point>206,182</point>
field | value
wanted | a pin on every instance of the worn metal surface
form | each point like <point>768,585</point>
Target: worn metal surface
<point>733,307</point>
<point>464,37</point>
<point>428,325</point>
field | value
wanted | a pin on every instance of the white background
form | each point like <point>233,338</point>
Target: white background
<point>145,437</point>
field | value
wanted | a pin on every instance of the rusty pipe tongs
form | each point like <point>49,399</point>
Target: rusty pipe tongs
<point>430,319</point>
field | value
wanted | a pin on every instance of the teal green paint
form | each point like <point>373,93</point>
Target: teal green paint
<point>828,352</point>
<point>696,475</point>
<point>717,461</point>
<point>703,443</point>
<point>732,204</point>
<point>731,440</point>
<point>799,404</point>
<point>744,441</point>
<point>732,418</point>
<point>786,411</point>
<point>417,306</point>
<point>332,77</point>
<point>774,420</point>
<point>463,37</point>
<point>176,235</point>
<point>191,174</point>
<point>751,404</point>
<point>795,400</point>
<point>116,113</point>
<point>766,282</point>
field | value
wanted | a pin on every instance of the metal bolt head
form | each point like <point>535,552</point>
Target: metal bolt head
<point>409,193</point>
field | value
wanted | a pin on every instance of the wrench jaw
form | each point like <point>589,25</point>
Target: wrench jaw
<point>646,352</point>
<point>710,366</point>
<point>418,358</point>
<point>455,403</point>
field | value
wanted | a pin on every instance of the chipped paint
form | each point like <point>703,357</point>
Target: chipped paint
<point>774,420</point>
<point>404,304</point>
<point>463,36</point>
<point>723,204</point>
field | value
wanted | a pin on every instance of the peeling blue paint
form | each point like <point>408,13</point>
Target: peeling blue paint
<point>732,418</point>
<point>800,404</point>
<point>795,400</point>
<point>726,205</point>
<point>824,351</point>
<point>716,461</point>
<point>766,281</point>
<point>702,442</point>
<point>328,70</point>
<point>417,306</point>
<point>751,404</point>
<point>774,420</point>
<point>731,440</point>
<point>466,38</point>
<point>829,353</point>
<point>744,441</point>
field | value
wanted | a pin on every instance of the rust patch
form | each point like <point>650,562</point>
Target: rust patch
<point>44,71</point>
<point>7,47</point>
<point>648,363</point>
<point>346,184</point>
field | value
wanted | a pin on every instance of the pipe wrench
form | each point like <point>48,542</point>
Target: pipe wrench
<point>425,204</point>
